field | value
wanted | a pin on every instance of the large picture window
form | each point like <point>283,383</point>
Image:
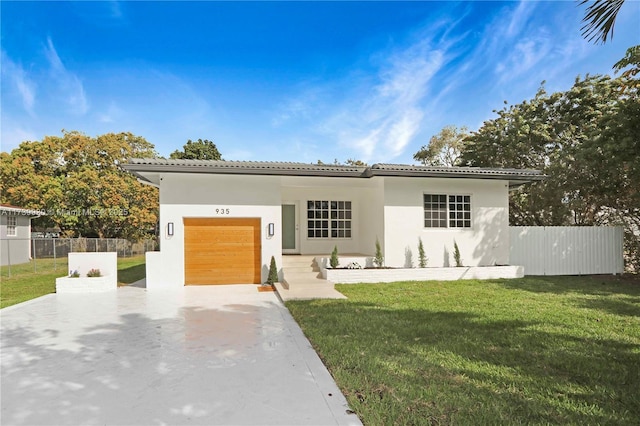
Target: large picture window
<point>328,219</point>
<point>447,211</point>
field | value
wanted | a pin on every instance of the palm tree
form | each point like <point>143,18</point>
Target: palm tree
<point>599,19</point>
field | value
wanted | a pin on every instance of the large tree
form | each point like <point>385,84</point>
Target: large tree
<point>198,150</point>
<point>76,180</point>
<point>444,149</point>
<point>585,140</point>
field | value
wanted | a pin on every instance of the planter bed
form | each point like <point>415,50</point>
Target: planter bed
<point>352,276</point>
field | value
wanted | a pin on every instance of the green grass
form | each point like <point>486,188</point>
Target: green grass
<point>25,284</point>
<point>545,350</point>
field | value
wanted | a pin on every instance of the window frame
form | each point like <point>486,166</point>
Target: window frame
<point>12,228</point>
<point>446,215</point>
<point>337,222</point>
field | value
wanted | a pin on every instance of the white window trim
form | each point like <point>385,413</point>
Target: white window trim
<point>330,228</point>
<point>449,228</point>
<point>12,229</point>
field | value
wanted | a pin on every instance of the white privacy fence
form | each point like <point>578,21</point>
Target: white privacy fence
<point>567,250</point>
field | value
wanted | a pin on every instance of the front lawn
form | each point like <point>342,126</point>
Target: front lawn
<point>536,350</point>
<point>26,284</point>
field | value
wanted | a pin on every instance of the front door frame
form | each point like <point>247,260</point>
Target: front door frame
<point>295,250</point>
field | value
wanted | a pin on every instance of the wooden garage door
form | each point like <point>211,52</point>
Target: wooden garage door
<point>222,251</point>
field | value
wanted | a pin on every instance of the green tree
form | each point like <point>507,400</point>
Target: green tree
<point>273,272</point>
<point>378,260</point>
<point>600,18</point>
<point>76,180</point>
<point>585,141</point>
<point>198,150</point>
<point>444,149</point>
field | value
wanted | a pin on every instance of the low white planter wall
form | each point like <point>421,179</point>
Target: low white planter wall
<point>352,276</point>
<point>85,284</point>
<point>107,263</point>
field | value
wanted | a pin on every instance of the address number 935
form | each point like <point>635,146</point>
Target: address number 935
<point>222,211</point>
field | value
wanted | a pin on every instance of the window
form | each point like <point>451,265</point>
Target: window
<point>447,211</point>
<point>12,224</point>
<point>319,213</point>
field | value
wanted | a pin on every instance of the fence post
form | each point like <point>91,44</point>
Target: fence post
<point>55,260</point>
<point>33,245</point>
<point>9,257</point>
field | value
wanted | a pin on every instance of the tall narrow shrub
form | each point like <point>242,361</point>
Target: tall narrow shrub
<point>456,254</point>
<point>334,258</point>
<point>273,272</point>
<point>378,260</point>
<point>422,257</point>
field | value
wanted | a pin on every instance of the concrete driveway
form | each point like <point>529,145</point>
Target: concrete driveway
<point>200,355</point>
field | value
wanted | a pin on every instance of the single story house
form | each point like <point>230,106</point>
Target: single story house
<point>221,221</point>
<point>15,234</point>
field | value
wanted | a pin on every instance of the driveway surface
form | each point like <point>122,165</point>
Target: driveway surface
<point>199,355</point>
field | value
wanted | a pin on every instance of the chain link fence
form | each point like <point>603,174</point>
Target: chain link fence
<point>53,252</point>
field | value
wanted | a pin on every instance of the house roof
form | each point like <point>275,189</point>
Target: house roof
<point>148,168</point>
<point>6,208</point>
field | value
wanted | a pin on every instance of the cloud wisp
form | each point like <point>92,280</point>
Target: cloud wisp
<point>67,84</point>
<point>19,82</point>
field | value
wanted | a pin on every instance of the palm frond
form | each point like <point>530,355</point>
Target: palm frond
<point>600,19</point>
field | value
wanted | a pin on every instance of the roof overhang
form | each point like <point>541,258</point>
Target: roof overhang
<point>149,170</point>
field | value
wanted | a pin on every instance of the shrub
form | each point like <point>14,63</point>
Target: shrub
<point>456,254</point>
<point>94,273</point>
<point>74,274</point>
<point>378,260</point>
<point>334,258</point>
<point>354,265</point>
<point>422,257</point>
<point>273,272</point>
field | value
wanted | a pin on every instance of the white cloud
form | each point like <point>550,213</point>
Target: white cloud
<point>68,85</point>
<point>13,135</point>
<point>20,82</point>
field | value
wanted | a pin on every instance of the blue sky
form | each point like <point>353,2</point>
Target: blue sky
<point>287,81</point>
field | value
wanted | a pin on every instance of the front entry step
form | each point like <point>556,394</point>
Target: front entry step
<point>302,280</point>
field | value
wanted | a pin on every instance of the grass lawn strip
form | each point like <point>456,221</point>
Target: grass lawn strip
<point>25,284</point>
<point>528,351</point>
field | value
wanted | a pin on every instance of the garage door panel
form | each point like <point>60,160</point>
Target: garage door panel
<point>222,251</point>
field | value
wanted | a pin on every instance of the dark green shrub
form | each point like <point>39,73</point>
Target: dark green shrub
<point>422,257</point>
<point>273,272</point>
<point>378,260</point>
<point>334,258</point>
<point>456,254</point>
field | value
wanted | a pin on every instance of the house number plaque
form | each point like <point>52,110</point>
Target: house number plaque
<point>222,211</point>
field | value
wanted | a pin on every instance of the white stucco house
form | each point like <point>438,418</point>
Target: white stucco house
<point>221,221</point>
<point>15,234</point>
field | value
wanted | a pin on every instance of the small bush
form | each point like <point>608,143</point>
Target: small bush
<point>456,254</point>
<point>422,257</point>
<point>378,260</point>
<point>74,274</point>
<point>273,272</point>
<point>334,258</point>
<point>94,273</point>
<point>354,265</point>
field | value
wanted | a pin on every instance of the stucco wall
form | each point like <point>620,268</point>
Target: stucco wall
<point>16,249</point>
<point>214,196</point>
<point>485,243</point>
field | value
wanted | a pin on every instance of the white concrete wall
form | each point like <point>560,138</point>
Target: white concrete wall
<point>485,243</point>
<point>189,195</point>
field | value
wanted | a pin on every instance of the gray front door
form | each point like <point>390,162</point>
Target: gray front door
<point>289,229</point>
